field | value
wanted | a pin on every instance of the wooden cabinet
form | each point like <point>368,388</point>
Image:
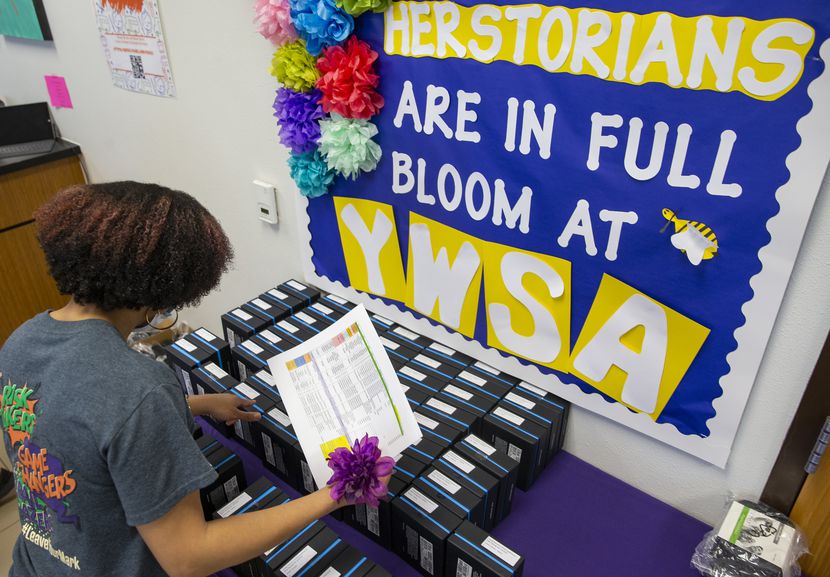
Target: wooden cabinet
<point>25,285</point>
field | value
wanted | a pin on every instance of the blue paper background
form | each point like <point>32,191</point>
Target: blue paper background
<point>711,294</point>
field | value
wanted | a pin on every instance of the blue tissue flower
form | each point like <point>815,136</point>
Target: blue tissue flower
<point>321,23</point>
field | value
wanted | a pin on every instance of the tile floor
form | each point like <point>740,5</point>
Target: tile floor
<point>9,529</point>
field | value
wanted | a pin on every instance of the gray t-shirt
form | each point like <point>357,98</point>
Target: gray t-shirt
<point>99,438</point>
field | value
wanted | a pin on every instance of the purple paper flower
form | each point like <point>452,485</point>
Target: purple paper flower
<point>357,472</point>
<point>299,114</point>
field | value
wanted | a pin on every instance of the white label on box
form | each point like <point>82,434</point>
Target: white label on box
<point>280,417</point>
<point>232,338</point>
<point>514,452</point>
<point>487,368</point>
<point>430,362</point>
<point>200,389</point>
<point>270,337</point>
<point>405,388</point>
<point>298,561</point>
<point>458,392</point>
<point>425,421</point>
<point>306,318</point>
<point>234,506</point>
<point>296,285</point>
<point>758,533</point>
<point>410,372</point>
<point>261,304</point>
<point>463,464</point>
<point>338,300</point>
<point>188,385</point>
<point>485,448</point>
<point>253,347</point>
<point>330,572</point>
<point>475,379</point>
<point>532,389</point>
<point>441,406</point>
<point>206,334</point>
<point>322,309</point>
<point>237,429</point>
<point>505,414</point>
<point>241,314</point>
<point>442,349</point>
<point>463,569</point>
<point>389,344</point>
<point>278,294</point>
<point>427,557</point>
<point>247,390</point>
<point>243,370</point>
<point>421,500</point>
<point>500,551</point>
<point>268,446</point>
<point>444,481</point>
<point>373,519</point>
<point>231,488</point>
<point>215,371</point>
<point>189,347</point>
<point>287,326</point>
<point>521,401</point>
<point>384,320</point>
<point>405,333</point>
<point>266,377</point>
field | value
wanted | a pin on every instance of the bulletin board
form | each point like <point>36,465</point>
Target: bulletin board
<point>605,199</point>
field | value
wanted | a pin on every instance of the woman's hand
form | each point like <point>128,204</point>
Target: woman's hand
<point>225,407</point>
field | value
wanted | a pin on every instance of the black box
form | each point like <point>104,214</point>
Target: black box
<point>442,489</point>
<point>226,487</point>
<point>414,395</point>
<point>287,301</point>
<point>472,551</point>
<point>408,468</point>
<point>409,374</point>
<point>557,405</point>
<point>401,350</point>
<point>207,340</point>
<point>250,358</point>
<point>239,325</point>
<point>449,354</point>
<point>478,405</point>
<point>211,379</point>
<point>521,439</point>
<point>438,364</point>
<point>260,491</point>
<point>435,429</point>
<point>497,464</point>
<point>306,293</point>
<point>480,398</point>
<point>420,529</point>
<point>450,412</point>
<point>337,302</point>
<point>476,480</point>
<point>320,550</point>
<point>425,451</point>
<point>277,442</point>
<point>406,337</point>
<point>247,431</point>
<point>271,340</point>
<point>271,310</point>
<point>487,384</point>
<point>376,522</point>
<point>382,324</point>
<point>313,323</point>
<point>548,435</point>
<point>485,370</point>
<point>183,357</point>
<point>329,315</point>
<point>293,330</point>
<point>542,412</point>
<point>350,562</point>
<point>263,566</point>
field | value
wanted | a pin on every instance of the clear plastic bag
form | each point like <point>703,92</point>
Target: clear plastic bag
<point>753,540</point>
<point>150,341</point>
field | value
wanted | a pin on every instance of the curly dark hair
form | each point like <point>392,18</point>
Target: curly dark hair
<point>132,245</point>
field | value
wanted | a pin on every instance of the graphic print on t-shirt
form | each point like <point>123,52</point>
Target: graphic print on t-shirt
<point>43,483</point>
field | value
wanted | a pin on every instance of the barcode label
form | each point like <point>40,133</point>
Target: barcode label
<point>298,561</point>
<point>306,318</point>
<point>485,448</point>
<point>188,385</point>
<point>287,326</point>
<point>487,368</point>
<point>189,347</point>
<point>266,377</point>
<point>442,349</point>
<point>514,452</point>
<point>500,551</point>
<point>389,344</point>
<point>410,372</point>
<point>234,505</point>
<point>231,488</point>
<point>463,569</point>
<point>458,392</point>
<point>241,314</point>
<point>280,295</point>
<point>425,421</point>
<point>441,406</point>
<point>268,446</point>
<point>296,285</point>
<point>280,417</point>
<point>243,370</point>
<point>322,309</point>
<point>383,320</point>
<point>270,337</point>
<point>252,347</point>
<point>373,519</point>
<point>426,555</point>
<point>444,481</point>
<point>463,464</point>
<point>247,390</point>
<point>475,379</point>
<point>421,500</point>
<point>338,300</point>
<point>232,338</point>
<point>206,334</point>
<point>237,429</point>
<point>521,401</point>
<point>308,480</point>
<point>215,371</point>
<point>505,414</point>
<point>532,389</point>
<point>405,333</point>
<point>137,64</point>
<point>261,304</point>
<point>430,362</point>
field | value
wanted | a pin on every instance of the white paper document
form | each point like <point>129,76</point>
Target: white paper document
<point>338,386</point>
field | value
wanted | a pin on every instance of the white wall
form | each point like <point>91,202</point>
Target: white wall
<point>216,137</point>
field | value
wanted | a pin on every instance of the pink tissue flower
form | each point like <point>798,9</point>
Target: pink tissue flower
<point>273,20</point>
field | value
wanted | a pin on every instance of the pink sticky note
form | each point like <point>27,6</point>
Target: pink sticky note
<point>58,92</point>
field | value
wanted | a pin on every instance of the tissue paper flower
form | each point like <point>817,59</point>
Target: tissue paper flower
<point>299,115</point>
<point>311,174</point>
<point>349,81</point>
<point>347,145</point>
<point>273,21</point>
<point>320,23</point>
<point>357,472</point>
<point>295,67</point>
<point>358,7</point>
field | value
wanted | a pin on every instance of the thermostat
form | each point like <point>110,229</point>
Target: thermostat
<point>266,202</point>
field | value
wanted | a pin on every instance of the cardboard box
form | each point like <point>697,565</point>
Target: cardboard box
<point>442,489</point>
<point>472,551</point>
<point>497,464</point>
<point>205,339</point>
<point>487,384</point>
<point>376,522</point>
<point>406,337</point>
<point>420,529</point>
<point>304,292</point>
<point>239,325</point>
<point>285,300</point>
<point>520,438</point>
<point>436,364</point>
<point>477,481</point>
<point>316,553</point>
<point>442,408</point>
<point>557,405</point>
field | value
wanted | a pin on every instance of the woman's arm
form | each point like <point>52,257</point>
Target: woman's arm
<point>186,545</point>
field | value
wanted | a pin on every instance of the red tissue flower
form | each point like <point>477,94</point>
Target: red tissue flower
<point>348,80</point>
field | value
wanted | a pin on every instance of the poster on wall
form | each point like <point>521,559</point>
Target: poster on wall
<point>133,42</point>
<point>24,19</point>
<point>605,199</point>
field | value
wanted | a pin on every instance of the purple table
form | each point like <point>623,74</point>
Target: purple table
<point>576,521</point>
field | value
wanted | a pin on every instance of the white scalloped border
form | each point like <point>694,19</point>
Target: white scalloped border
<point>807,165</point>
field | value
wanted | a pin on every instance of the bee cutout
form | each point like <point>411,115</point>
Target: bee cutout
<point>694,239</point>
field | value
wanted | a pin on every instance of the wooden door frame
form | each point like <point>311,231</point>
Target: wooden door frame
<point>787,476</point>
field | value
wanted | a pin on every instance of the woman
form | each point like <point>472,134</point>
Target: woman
<point>108,475</point>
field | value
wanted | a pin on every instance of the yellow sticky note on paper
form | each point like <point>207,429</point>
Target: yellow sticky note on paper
<point>330,446</point>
